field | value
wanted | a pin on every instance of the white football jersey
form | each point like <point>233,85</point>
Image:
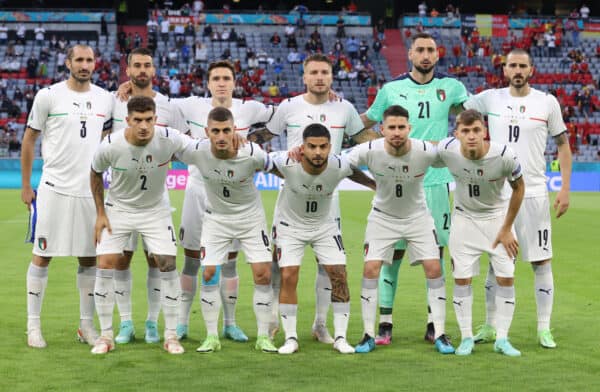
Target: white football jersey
<point>480,183</point>
<point>195,113</point>
<point>294,114</point>
<point>399,179</point>
<point>522,123</point>
<point>167,114</point>
<point>229,183</point>
<point>139,172</point>
<point>306,198</point>
<point>71,124</point>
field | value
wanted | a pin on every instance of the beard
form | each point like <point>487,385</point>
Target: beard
<point>141,84</point>
<point>424,70</point>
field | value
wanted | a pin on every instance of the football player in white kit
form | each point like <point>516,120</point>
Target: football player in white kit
<point>303,217</point>
<point>70,116</point>
<point>221,82</point>
<point>141,71</point>
<point>139,156</point>
<point>340,118</point>
<point>398,164</point>
<point>234,211</point>
<point>482,223</point>
<point>522,118</point>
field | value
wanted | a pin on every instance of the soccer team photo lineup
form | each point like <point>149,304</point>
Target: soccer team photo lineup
<point>468,157</point>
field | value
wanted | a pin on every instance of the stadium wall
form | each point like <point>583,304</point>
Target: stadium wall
<point>585,178</point>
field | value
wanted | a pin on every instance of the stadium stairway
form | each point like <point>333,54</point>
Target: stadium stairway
<point>132,29</point>
<point>395,52</point>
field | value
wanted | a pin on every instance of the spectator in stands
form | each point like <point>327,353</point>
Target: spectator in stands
<point>61,56</point>
<point>301,26</point>
<point>14,110</point>
<point>457,53</point>
<point>207,32</point>
<point>121,39</point>
<point>342,76</point>
<point>380,29</point>
<point>352,45</point>
<point>253,62</point>
<point>185,10</point>
<point>310,46</point>
<point>289,30</point>
<point>190,30</point>
<point>293,57</point>
<point>315,35</point>
<point>291,42</point>
<point>278,68</point>
<point>550,39</point>
<point>103,28</point>
<point>198,7</point>
<point>377,45</point>
<point>572,27</point>
<point>275,39</point>
<point>338,48</point>
<point>32,66</point>
<point>173,57</point>
<point>273,90</point>
<point>233,35</point>
<point>340,24</point>
<point>584,102</point>
<point>422,8</point>
<point>174,87</point>
<point>29,95</point>
<point>165,26</point>
<point>152,26</point>
<point>137,40</point>
<point>584,11</point>
<point>40,35</point>
<point>226,54</point>
<point>151,45</point>
<point>14,146</point>
<point>598,51</point>
<point>241,40</point>
<point>216,36</point>
<point>363,49</point>
<point>3,34</point>
<point>19,48</point>
<point>185,54</point>
<point>434,13</point>
<point>62,43</point>
<point>21,30</point>
<point>200,52</point>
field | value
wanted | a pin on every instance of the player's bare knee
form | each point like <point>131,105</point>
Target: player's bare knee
<point>289,277</point>
<point>123,262</point>
<point>166,263</point>
<point>372,269</point>
<point>535,264</point>
<point>40,261</point>
<point>432,269</point>
<point>105,261</point>
<point>85,261</point>
<point>150,260</point>
<point>463,282</point>
<point>262,273</point>
<point>505,282</point>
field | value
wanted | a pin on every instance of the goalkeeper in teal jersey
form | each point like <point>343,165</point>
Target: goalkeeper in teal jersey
<point>429,97</point>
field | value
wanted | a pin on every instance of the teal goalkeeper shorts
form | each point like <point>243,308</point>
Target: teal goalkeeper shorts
<point>438,202</point>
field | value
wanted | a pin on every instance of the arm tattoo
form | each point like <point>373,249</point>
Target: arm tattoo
<point>97,186</point>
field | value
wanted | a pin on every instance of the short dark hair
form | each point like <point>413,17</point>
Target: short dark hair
<point>220,114</point>
<point>316,130</point>
<point>71,50</point>
<point>220,64</point>
<point>518,51</point>
<point>140,104</point>
<point>318,57</point>
<point>468,117</point>
<point>138,51</point>
<point>396,111</point>
<point>422,35</point>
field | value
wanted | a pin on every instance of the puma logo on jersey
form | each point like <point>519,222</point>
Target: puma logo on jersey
<point>36,294</point>
<point>441,298</point>
<point>135,160</point>
<point>75,104</point>
<point>402,96</point>
<point>232,297</point>
<point>155,289</point>
<point>488,287</point>
<point>458,303</point>
<point>263,304</point>
<point>309,116</point>
<point>171,298</point>
<point>388,282</point>
<point>101,295</point>
<point>545,291</point>
<point>509,302</point>
<point>327,288</point>
<point>208,302</point>
<point>121,293</point>
<point>368,299</point>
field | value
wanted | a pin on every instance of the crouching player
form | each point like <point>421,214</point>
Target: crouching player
<point>481,222</point>
<point>303,217</point>
<point>139,157</point>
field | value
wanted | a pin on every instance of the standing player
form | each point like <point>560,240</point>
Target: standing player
<point>429,97</point>
<point>479,224</point>
<point>70,116</point>
<point>303,217</point>
<point>139,157</point>
<point>234,211</point>
<point>340,118</point>
<point>398,165</point>
<point>522,117</point>
<point>140,70</point>
<point>221,82</point>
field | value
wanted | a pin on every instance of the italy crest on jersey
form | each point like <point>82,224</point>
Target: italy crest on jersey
<point>405,169</point>
<point>42,243</point>
<point>323,118</point>
<point>441,95</point>
<point>229,173</point>
<point>319,188</point>
<point>522,109</point>
<point>480,172</point>
<point>148,158</point>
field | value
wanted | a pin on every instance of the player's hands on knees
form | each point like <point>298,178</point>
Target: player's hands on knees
<point>295,153</point>
<point>561,203</point>
<point>239,141</point>
<point>101,224</point>
<point>508,240</point>
<point>124,91</point>
<point>27,196</point>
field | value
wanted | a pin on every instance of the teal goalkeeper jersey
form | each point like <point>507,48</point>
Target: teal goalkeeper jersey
<point>428,106</point>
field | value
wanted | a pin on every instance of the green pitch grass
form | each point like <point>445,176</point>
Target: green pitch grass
<point>409,364</point>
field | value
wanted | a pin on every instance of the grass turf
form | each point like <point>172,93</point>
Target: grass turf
<point>408,364</point>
